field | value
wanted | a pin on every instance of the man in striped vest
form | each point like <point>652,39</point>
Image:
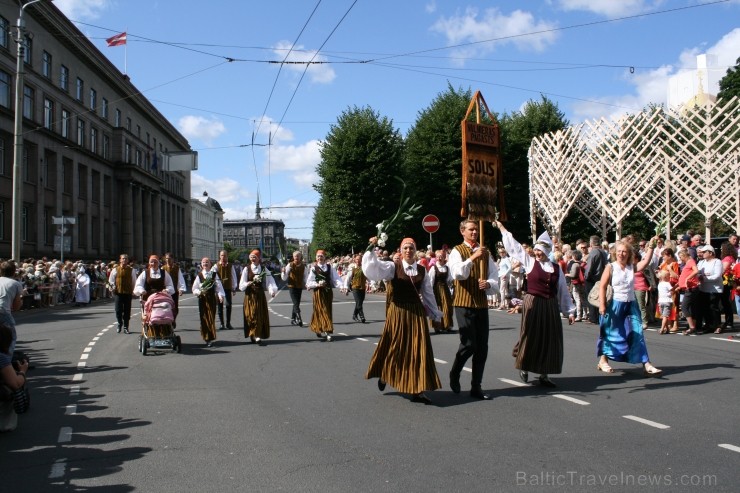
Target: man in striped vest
<point>474,272</point>
<point>121,281</point>
<point>227,274</point>
<point>357,282</point>
<point>295,273</point>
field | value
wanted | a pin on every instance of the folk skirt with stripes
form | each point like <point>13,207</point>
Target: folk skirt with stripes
<point>256,318</point>
<point>444,303</point>
<point>207,311</point>
<point>404,357</point>
<point>321,319</point>
<point>540,346</point>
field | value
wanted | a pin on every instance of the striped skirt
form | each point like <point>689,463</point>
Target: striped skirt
<point>256,318</point>
<point>404,357</point>
<point>207,311</point>
<point>540,345</point>
<point>444,303</point>
<point>321,319</point>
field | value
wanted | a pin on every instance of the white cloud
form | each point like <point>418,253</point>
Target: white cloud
<point>300,161</point>
<point>198,127</point>
<point>224,190</point>
<point>81,10</point>
<point>471,27</point>
<point>318,73</point>
<point>431,7</point>
<point>609,8</point>
<point>271,130</point>
<point>652,86</point>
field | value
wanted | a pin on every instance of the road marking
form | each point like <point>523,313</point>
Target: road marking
<point>81,364</point>
<point>647,422</point>
<point>58,469</point>
<point>571,399</point>
<point>514,382</point>
<point>362,339</point>
<point>84,355</point>
<point>725,339</point>
<point>71,409</point>
<point>74,390</point>
<point>65,434</point>
<point>342,334</point>
<point>734,448</point>
<point>467,369</point>
<point>87,349</point>
<point>96,338</point>
<point>440,361</point>
<point>77,377</point>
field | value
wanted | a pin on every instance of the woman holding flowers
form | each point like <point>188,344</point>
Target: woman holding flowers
<point>207,287</point>
<point>404,356</point>
<point>321,279</point>
<point>255,277</point>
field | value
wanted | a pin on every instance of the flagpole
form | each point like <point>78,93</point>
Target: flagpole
<point>125,54</point>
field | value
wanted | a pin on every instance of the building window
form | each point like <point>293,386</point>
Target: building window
<point>28,97</point>
<point>65,123</point>
<point>107,187</point>
<point>82,230</point>
<point>138,157</point>
<point>64,78</point>
<point>117,120</point>
<point>27,52</point>
<point>4,32</point>
<point>4,89</point>
<point>128,124</point>
<point>80,132</point>
<point>24,223</point>
<point>82,181</point>
<point>46,64</point>
<point>95,186</point>
<point>138,131</point>
<point>93,99</point>
<point>48,114</point>
<point>106,147</point>
<point>80,90</point>
<point>104,108</point>
<point>67,175</point>
<point>94,139</point>
<point>2,156</point>
<point>127,153</point>
<point>2,219</point>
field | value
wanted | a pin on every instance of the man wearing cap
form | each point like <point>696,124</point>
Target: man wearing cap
<point>122,279</point>
<point>322,277</point>
<point>473,270</point>
<point>710,291</point>
<point>255,277</point>
<point>227,274</point>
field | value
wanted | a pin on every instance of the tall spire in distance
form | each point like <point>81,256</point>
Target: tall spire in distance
<point>257,209</point>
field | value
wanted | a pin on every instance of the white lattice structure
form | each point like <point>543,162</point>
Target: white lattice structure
<point>665,164</point>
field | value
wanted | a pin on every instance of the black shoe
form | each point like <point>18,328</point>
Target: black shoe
<point>546,382</point>
<point>209,344</point>
<point>292,321</point>
<point>300,323</point>
<point>478,394</point>
<point>229,327</point>
<point>523,376</point>
<point>362,319</point>
<point>125,330</point>
<point>455,382</point>
<point>421,398</point>
<point>118,330</point>
<point>354,317</point>
<point>381,385</point>
<point>222,327</point>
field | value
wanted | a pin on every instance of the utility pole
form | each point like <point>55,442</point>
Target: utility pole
<point>18,135</point>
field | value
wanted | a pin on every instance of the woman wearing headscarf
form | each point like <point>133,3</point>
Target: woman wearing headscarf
<point>404,357</point>
<point>439,279</point>
<point>540,345</point>
<point>209,290</point>
<point>256,319</point>
<point>322,277</point>
<point>82,287</point>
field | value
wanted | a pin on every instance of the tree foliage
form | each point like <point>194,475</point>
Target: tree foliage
<point>359,157</point>
<point>729,85</point>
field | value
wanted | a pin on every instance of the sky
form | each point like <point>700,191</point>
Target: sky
<point>215,70</point>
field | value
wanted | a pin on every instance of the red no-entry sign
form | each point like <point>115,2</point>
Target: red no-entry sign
<point>430,223</point>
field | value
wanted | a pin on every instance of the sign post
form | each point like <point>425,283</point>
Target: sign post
<point>62,242</point>
<point>430,223</point>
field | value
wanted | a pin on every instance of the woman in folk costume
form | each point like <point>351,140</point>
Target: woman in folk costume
<point>256,318</point>
<point>321,279</point>
<point>540,345</point>
<point>207,287</point>
<point>439,279</point>
<point>404,357</point>
<point>82,287</point>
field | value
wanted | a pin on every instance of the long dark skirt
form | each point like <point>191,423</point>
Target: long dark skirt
<point>404,357</point>
<point>207,310</point>
<point>321,320</point>
<point>540,345</point>
<point>443,299</point>
<point>256,317</point>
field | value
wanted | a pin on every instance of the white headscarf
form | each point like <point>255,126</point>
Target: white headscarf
<point>543,244</point>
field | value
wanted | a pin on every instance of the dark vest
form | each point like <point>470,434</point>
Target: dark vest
<point>153,285</point>
<point>358,278</point>
<point>296,276</point>
<point>174,273</point>
<point>224,273</point>
<point>541,283</point>
<point>441,277</point>
<point>124,283</point>
<point>406,289</point>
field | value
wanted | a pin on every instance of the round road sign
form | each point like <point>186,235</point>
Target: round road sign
<point>430,223</point>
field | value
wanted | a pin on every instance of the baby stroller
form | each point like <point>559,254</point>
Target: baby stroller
<point>157,317</point>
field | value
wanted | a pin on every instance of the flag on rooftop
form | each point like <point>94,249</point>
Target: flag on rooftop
<point>117,40</point>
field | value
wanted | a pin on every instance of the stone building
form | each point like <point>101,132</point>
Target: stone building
<point>207,228</point>
<point>267,235</point>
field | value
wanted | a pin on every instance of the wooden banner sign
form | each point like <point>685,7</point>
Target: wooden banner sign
<point>482,176</point>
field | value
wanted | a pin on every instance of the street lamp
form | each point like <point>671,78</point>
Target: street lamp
<point>18,134</point>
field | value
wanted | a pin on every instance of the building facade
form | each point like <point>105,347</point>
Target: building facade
<point>268,235</point>
<point>207,228</point>
<point>92,149</point>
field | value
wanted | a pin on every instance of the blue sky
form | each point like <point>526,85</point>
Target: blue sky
<point>577,52</point>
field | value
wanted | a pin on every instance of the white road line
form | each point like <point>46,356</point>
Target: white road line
<point>65,434</point>
<point>81,364</point>
<point>84,356</point>
<point>362,339</point>
<point>647,422</point>
<point>375,343</point>
<point>58,469</point>
<point>100,334</point>
<point>465,368</point>
<point>725,339</point>
<point>74,390</point>
<point>105,329</point>
<point>87,349</point>
<point>571,399</point>
<point>514,382</point>
<point>342,334</point>
<point>96,338</point>
<point>71,409</point>
<point>77,377</point>
<point>734,448</point>
<point>440,361</point>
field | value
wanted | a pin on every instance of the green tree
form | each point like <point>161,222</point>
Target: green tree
<point>361,153</point>
<point>517,131</point>
<point>729,85</point>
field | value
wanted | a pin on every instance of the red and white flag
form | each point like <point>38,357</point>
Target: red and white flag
<point>117,40</point>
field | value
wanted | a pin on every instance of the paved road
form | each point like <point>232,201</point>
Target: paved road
<point>297,414</point>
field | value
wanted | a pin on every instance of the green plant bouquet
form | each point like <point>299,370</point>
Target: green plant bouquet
<point>405,212</point>
<point>207,284</point>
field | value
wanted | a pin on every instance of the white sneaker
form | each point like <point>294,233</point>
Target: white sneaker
<point>257,339</point>
<point>323,334</point>
<point>328,337</point>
